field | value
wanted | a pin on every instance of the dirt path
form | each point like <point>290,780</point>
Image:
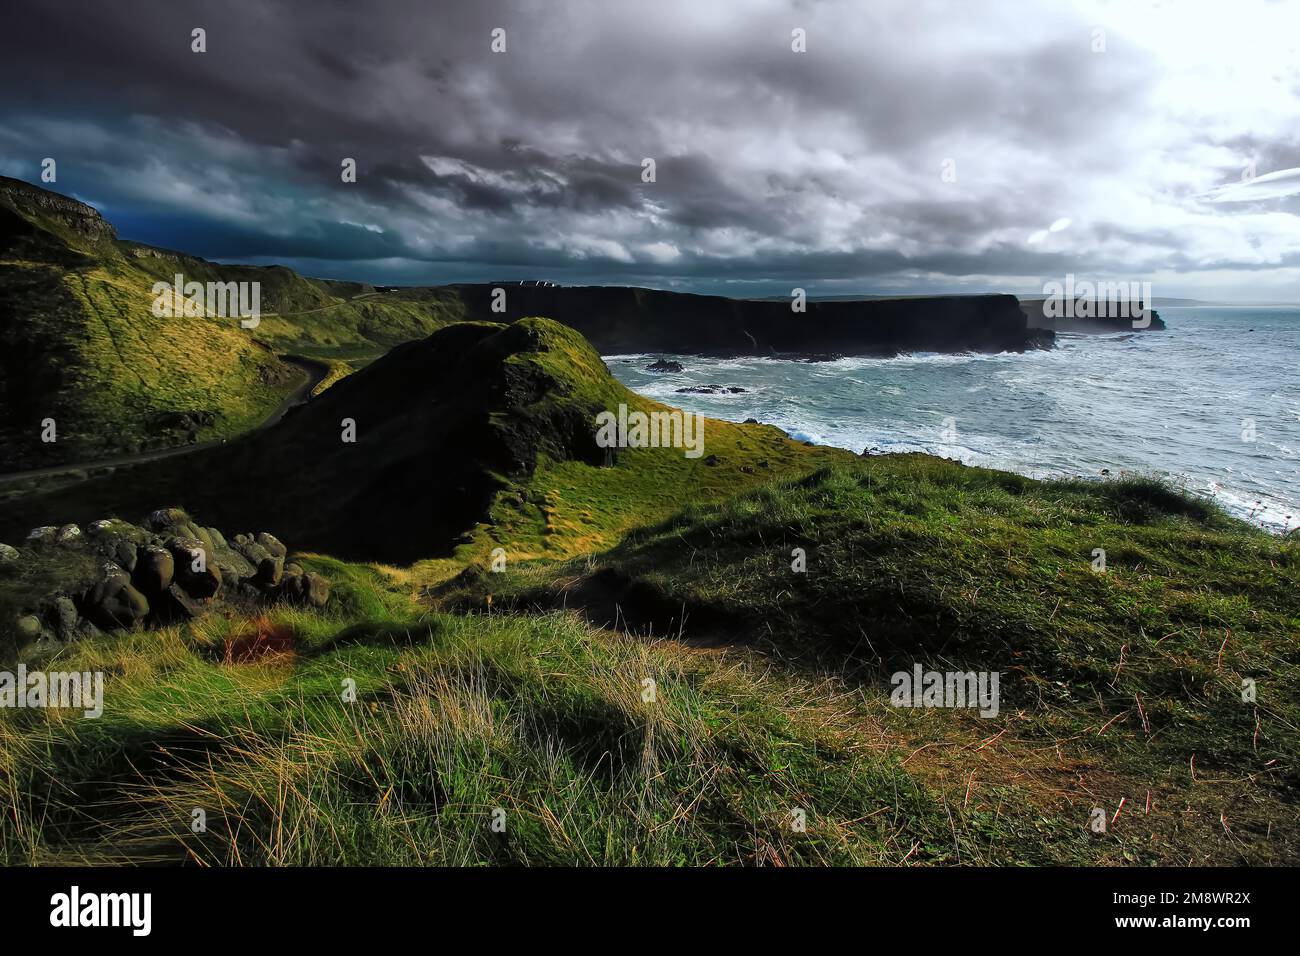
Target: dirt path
<point>315,373</point>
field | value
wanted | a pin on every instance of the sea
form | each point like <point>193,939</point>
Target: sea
<point>1211,403</point>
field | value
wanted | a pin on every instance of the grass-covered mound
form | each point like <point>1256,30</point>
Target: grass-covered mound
<point>479,435</point>
<point>911,559</point>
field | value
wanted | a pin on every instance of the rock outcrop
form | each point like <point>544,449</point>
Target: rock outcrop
<point>1091,317</point>
<point>71,213</point>
<point>115,575</point>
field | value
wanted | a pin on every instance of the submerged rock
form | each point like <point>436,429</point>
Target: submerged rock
<point>664,365</point>
<point>711,390</point>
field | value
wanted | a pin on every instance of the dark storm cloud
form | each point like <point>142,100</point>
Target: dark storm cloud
<point>772,166</point>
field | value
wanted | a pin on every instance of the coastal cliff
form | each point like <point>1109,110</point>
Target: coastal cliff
<point>618,319</point>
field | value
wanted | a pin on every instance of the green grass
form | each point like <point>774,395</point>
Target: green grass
<point>911,559</point>
<point>492,706</point>
<point>459,718</point>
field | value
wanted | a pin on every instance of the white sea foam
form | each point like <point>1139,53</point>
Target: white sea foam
<point>1169,403</point>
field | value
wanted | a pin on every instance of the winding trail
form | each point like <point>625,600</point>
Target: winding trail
<point>314,371</point>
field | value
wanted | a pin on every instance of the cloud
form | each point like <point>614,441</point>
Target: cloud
<point>1284,182</point>
<point>773,167</point>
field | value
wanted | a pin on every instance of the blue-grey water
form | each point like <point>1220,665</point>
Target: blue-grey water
<point>1213,402</point>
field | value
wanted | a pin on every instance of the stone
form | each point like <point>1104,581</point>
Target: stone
<point>664,365</point>
<point>181,604</point>
<point>311,590</point>
<point>118,550</point>
<point>234,566</point>
<point>155,571</point>
<point>271,543</point>
<point>202,535</point>
<point>64,618</point>
<point>164,519</point>
<point>252,552</point>
<point>114,602</point>
<point>269,572</point>
<point>203,582</point>
<point>29,628</point>
<point>147,574</point>
<point>318,589</point>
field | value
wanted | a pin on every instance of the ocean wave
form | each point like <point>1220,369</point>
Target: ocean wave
<point>1165,403</point>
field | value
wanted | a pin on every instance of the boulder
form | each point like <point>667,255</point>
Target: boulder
<point>318,589</point>
<point>29,628</point>
<point>68,534</point>
<point>664,365</point>
<point>113,602</point>
<point>8,555</point>
<point>118,541</point>
<point>176,604</point>
<point>272,544</point>
<point>252,552</point>
<point>42,535</point>
<point>269,572</point>
<point>310,589</point>
<point>165,519</point>
<point>155,571</point>
<point>233,565</point>
<point>118,550</point>
<point>200,534</point>
<point>64,616</point>
<point>201,582</point>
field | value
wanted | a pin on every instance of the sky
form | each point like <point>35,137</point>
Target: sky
<point>876,146</point>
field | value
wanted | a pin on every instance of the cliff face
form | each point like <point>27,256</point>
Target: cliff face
<point>1037,317</point>
<point>57,210</point>
<point>618,320</point>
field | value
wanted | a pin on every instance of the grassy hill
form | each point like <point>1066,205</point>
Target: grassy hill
<point>1126,682</point>
<point>648,680</point>
<point>79,342</point>
<point>480,435</point>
